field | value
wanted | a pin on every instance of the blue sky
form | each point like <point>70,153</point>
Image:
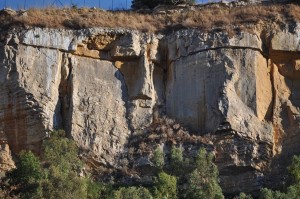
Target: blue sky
<point>105,4</point>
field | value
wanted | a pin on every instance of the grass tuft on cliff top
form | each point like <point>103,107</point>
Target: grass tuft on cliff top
<point>205,18</point>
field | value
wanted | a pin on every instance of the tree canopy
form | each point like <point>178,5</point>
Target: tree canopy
<point>138,4</point>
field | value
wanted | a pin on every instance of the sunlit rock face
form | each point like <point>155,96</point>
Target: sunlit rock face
<point>104,85</point>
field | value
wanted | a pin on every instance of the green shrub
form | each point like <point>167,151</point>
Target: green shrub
<point>58,178</point>
<point>176,161</point>
<point>58,185</point>
<point>158,158</point>
<point>269,194</point>
<point>293,191</point>
<point>294,169</point>
<point>98,190</point>
<point>203,181</point>
<point>61,179</point>
<point>132,193</point>
<point>26,175</point>
<point>61,152</point>
<point>245,196</point>
<point>165,186</point>
<point>28,169</point>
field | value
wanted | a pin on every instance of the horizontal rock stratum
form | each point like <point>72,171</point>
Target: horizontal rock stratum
<point>104,85</point>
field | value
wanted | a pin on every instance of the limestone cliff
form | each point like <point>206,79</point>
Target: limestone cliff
<point>106,86</point>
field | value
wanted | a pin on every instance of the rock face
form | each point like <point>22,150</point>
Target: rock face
<point>229,86</point>
<point>104,85</point>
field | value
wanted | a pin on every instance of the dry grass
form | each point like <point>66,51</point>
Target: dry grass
<point>205,19</point>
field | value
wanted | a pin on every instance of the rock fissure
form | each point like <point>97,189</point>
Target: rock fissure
<point>109,91</point>
<point>219,48</point>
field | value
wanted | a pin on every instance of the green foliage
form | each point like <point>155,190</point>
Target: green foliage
<point>138,4</point>
<point>61,152</point>
<point>96,190</point>
<point>245,196</point>
<point>203,181</point>
<point>294,169</point>
<point>165,186</point>
<point>58,178</point>
<point>28,169</point>
<point>266,194</point>
<point>176,155</point>
<point>176,160</point>
<point>269,194</point>
<point>55,175</point>
<point>132,193</point>
<point>293,191</point>
<point>56,185</point>
<point>158,158</point>
<point>27,174</point>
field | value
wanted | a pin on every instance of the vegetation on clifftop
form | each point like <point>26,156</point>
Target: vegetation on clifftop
<point>166,18</point>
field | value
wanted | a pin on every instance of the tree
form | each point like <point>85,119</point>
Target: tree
<point>245,196</point>
<point>61,152</point>
<point>132,193</point>
<point>294,169</point>
<point>165,186</point>
<point>158,158</point>
<point>27,174</point>
<point>203,181</point>
<point>60,173</point>
<point>96,190</point>
<point>293,191</point>
<point>57,177</point>
<point>176,161</point>
<point>138,4</point>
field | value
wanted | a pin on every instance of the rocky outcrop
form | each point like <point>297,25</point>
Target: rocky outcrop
<point>97,84</point>
<point>105,87</point>
<point>229,86</point>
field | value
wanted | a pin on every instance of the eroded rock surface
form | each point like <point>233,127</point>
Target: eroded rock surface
<point>106,86</point>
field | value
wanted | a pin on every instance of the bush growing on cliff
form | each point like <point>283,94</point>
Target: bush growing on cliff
<point>293,191</point>
<point>132,193</point>
<point>165,186</point>
<point>245,196</point>
<point>53,177</point>
<point>158,158</point>
<point>97,190</point>
<point>61,153</point>
<point>203,181</point>
<point>27,174</point>
<point>176,160</point>
<point>61,166</point>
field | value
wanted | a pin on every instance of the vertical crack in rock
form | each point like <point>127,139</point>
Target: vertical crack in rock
<point>125,96</point>
<point>112,86</point>
<point>65,95</point>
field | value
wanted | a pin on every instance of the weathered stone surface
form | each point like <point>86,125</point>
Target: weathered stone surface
<point>98,108</point>
<point>105,86</point>
<point>286,112</point>
<point>27,114</point>
<point>127,46</point>
<point>286,40</point>
<point>98,102</point>
<point>5,158</point>
<point>186,42</point>
<point>222,87</point>
<point>228,84</point>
